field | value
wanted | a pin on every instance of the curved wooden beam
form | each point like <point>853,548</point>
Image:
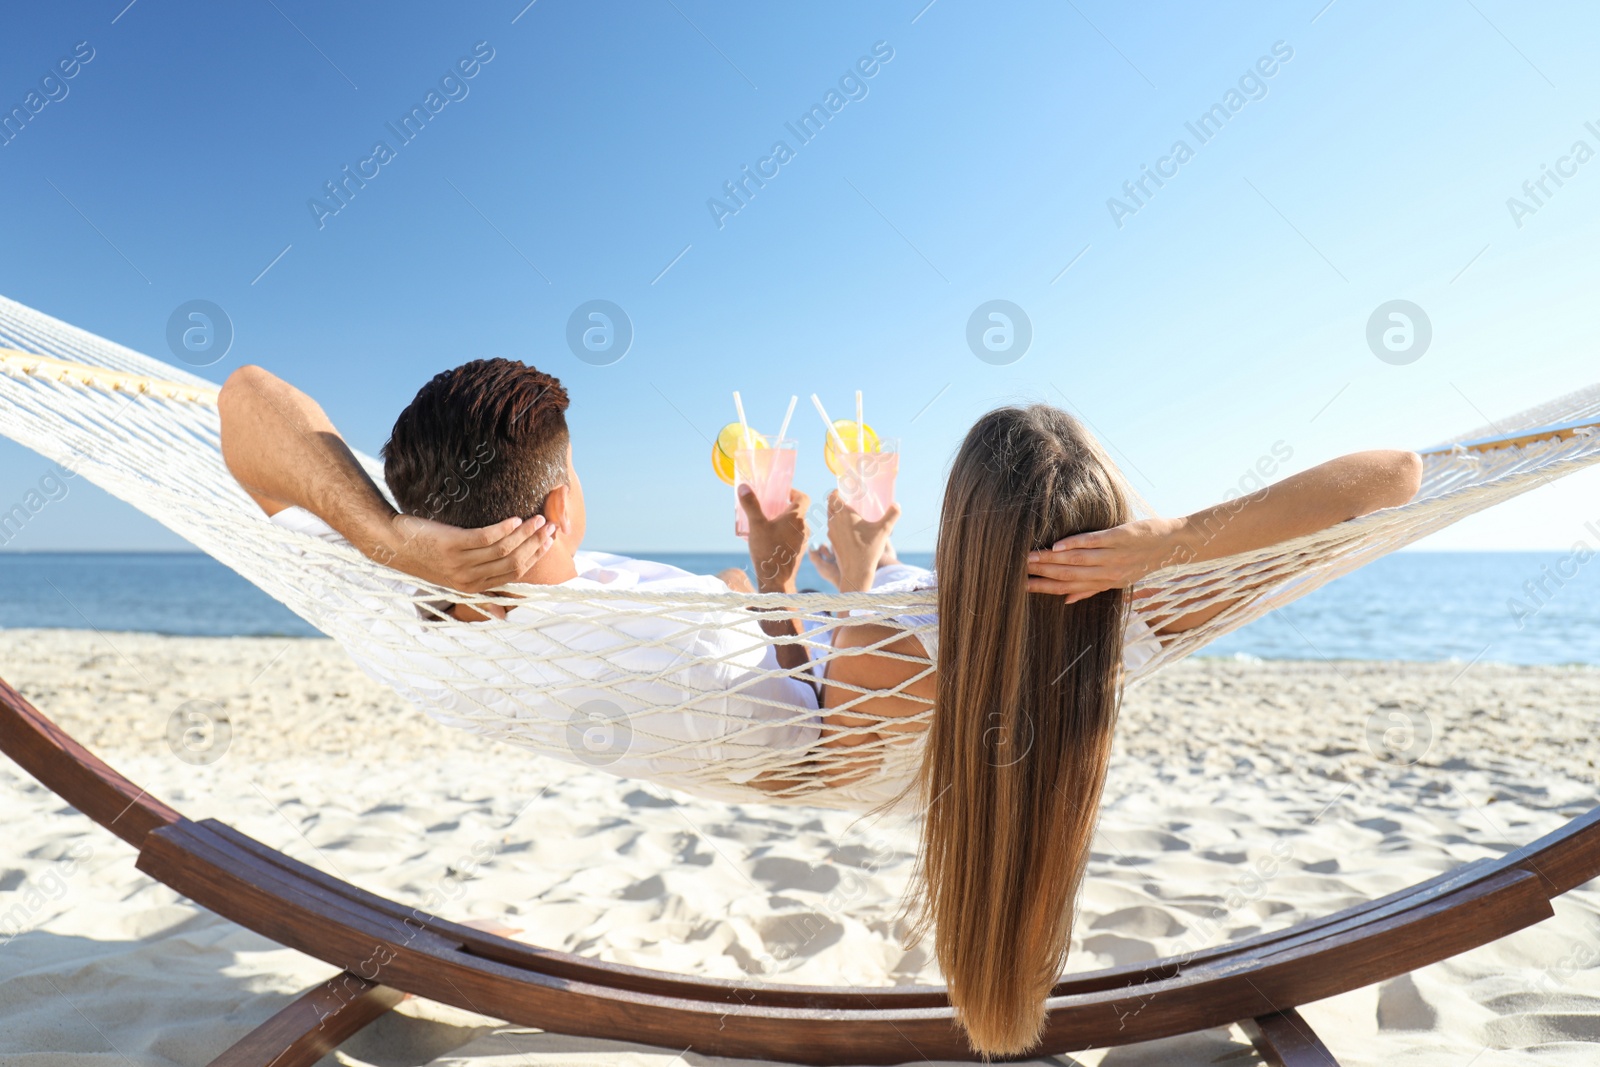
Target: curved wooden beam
<point>75,774</point>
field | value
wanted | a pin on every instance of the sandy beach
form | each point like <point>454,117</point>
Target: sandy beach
<point>1244,796</point>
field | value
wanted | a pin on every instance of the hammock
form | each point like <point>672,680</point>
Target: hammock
<point>148,433</point>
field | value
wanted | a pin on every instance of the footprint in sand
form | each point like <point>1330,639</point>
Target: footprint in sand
<point>1401,1006</point>
<point>651,888</point>
<point>1141,920</point>
<point>798,934</point>
<point>1120,950</point>
<point>779,874</point>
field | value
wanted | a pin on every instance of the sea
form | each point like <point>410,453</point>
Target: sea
<point>1505,607</point>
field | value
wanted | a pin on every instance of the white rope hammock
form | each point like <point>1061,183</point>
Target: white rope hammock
<point>569,674</point>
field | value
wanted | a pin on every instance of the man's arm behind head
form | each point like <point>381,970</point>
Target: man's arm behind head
<point>285,452</point>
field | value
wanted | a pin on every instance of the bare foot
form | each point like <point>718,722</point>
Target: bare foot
<point>736,580</point>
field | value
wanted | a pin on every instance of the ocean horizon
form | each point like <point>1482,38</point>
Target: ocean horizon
<point>1423,606</point>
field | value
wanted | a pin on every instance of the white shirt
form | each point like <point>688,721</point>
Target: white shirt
<point>601,683</point>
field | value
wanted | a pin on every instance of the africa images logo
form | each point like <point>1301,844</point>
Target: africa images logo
<point>53,89</point>
<point>1252,85</point>
<point>851,85</point>
<point>452,88</point>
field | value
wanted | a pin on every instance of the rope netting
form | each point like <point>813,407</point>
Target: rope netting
<point>680,687</point>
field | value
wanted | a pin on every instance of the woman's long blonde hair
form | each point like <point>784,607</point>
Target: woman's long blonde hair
<point>1028,690</point>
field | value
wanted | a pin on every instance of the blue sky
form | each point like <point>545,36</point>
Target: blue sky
<point>1225,317</point>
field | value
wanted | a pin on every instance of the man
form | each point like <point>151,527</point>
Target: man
<point>481,466</point>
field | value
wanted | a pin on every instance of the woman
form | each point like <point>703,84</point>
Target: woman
<point>1035,555</point>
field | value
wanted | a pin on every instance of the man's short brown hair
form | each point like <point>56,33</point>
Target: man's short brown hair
<point>478,444</point>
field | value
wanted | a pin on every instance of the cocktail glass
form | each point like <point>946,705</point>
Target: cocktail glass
<point>770,472</point>
<point>866,479</point>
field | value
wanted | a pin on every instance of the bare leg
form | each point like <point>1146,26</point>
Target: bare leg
<point>910,686</point>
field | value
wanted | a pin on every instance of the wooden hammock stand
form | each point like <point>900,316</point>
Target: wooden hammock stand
<point>387,950</point>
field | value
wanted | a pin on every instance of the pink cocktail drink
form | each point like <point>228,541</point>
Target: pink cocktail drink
<point>866,479</point>
<point>770,472</point>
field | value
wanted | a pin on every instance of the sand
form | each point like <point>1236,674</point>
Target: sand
<point>1244,796</point>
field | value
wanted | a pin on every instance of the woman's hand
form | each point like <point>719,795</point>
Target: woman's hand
<point>1088,563</point>
<point>857,544</point>
<point>473,561</point>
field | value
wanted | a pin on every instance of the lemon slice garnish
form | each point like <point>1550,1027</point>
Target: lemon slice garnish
<point>846,428</point>
<point>729,440</point>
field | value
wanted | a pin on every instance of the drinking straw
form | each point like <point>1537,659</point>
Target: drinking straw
<point>744,427</point>
<point>861,432</point>
<point>787,415</point>
<point>838,442</point>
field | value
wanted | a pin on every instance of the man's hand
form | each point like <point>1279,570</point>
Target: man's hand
<point>1088,563</point>
<point>473,561</point>
<point>858,545</point>
<point>776,545</point>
